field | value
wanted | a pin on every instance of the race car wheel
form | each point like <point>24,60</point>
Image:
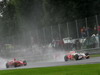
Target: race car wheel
<point>76,57</point>
<point>66,58</point>
<point>87,55</point>
<point>15,65</point>
<point>7,66</point>
<point>25,63</point>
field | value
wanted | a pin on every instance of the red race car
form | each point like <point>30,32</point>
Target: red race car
<point>16,63</point>
<point>72,55</point>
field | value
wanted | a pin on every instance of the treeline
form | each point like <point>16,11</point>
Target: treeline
<point>22,17</point>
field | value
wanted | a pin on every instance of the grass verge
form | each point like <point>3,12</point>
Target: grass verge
<point>86,69</point>
<point>95,55</point>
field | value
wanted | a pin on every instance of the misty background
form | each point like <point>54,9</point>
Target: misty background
<point>27,27</point>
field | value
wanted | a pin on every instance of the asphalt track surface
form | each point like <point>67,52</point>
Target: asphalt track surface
<point>58,63</point>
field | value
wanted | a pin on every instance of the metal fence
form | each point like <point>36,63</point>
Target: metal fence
<point>72,30</point>
<point>65,36</point>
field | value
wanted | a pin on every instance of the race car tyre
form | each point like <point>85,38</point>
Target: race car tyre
<point>76,57</point>
<point>7,66</point>
<point>25,62</point>
<point>15,65</point>
<point>65,58</point>
<point>87,55</point>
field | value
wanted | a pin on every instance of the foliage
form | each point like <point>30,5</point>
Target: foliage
<point>25,16</point>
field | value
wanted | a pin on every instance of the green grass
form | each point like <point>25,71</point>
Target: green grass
<point>88,69</point>
<point>95,55</point>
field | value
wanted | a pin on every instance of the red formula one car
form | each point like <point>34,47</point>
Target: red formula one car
<point>72,55</point>
<point>16,63</point>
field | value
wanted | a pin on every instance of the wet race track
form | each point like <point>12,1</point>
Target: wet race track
<point>54,63</point>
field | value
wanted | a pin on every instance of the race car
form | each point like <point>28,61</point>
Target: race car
<point>72,55</point>
<point>16,63</point>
